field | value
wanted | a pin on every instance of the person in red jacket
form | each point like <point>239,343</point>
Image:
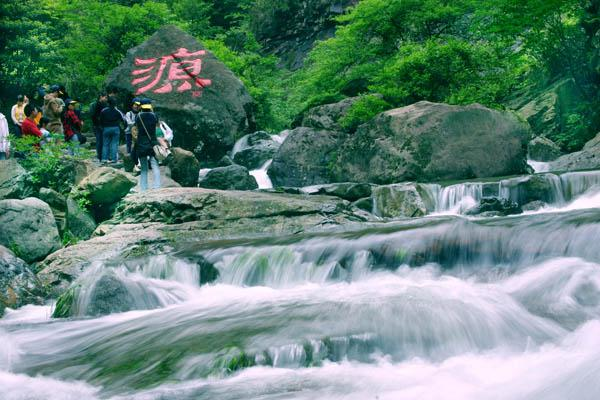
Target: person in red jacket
<point>71,123</point>
<point>29,126</point>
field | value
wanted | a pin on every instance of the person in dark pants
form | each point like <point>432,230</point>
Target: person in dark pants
<point>95,110</point>
<point>111,119</point>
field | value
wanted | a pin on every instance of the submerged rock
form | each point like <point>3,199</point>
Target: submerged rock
<point>207,109</point>
<point>490,207</point>
<point>396,201</point>
<point>18,284</point>
<point>15,181</point>
<point>429,142</point>
<point>234,177</point>
<point>28,228</point>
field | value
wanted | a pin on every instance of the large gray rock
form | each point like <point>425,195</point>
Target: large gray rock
<point>327,117</point>
<point>18,284</point>
<point>234,177</point>
<point>345,190</point>
<point>105,186</point>
<point>15,181</point>
<point>28,228</point>
<point>184,167</point>
<point>397,201</point>
<point>305,158</point>
<point>255,149</point>
<point>429,142</point>
<point>587,158</point>
<point>205,119</point>
<point>543,149</point>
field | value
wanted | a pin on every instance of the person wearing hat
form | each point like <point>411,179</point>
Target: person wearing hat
<point>53,108</point>
<point>130,118</point>
<point>145,123</point>
<point>72,124</point>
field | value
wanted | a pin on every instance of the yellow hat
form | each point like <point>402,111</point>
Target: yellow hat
<point>146,106</point>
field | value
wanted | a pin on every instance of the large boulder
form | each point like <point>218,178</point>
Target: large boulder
<point>346,190</point>
<point>254,150</point>
<point>305,158</point>
<point>328,116</point>
<point>234,177</point>
<point>28,228</point>
<point>15,181</point>
<point>495,207</point>
<point>548,112</point>
<point>184,167</point>
<point>18,284</point>
<point>105,186</point>
<point>397,201</point>
<point>204,103</point>
<point>587,158</point>
<point>543,149</point>
<point>428,142</point>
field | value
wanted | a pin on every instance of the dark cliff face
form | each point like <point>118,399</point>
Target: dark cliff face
<point>290,29</point>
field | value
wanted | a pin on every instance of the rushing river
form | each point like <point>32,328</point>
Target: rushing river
<point>442,307</point>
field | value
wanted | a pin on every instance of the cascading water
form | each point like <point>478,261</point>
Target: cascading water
<point>442,307</point>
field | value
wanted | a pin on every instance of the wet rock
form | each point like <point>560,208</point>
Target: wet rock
<point>15,181</point>
<point>234,177</point>
<point>184,167</point>
<point>306,158</point>
<point>346,190</point>
<point>427,142</point>
<point>542,187</point>
<point>534,206</point>
<point>28,228</point>
<point>365,204</point>
<point>226,161</point>
<point>543,149</point>
<point>206,118</point>
<point>18,284</point>
<point>490,207</point>
<point>257,149</point>
<point>397,201</point>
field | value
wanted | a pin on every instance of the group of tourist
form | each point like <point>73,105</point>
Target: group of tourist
<point>60,120</point>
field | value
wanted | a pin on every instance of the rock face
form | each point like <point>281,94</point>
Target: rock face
<point>58,205</point>
<point>493,207</point>
<point>28,228</point>
<point>290,29</point>
<point>327,116</point>
<point>204,103</point>
<point>184,167</point>
<point>306,158</point>
<point>428,142</point>
<point>105,186</point>
<point>255,149</point>
<point>548,112</point>
<point>587,158</point>
<point>543,149</point>
<point>396,201</point>
<point>18,285</point>
<point>79,222</point>
<point>234,177</point>
<point>15,182</point>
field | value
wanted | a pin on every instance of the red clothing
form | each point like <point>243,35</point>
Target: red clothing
<point>72,124</point>
<point>30,128</point>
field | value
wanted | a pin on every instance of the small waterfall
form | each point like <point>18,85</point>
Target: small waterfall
<point>577,183</point>
<point>239,145</point>
<point>539,166</point>
<point>261,176</point>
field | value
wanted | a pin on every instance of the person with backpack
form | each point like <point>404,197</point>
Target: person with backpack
<point>111,120</point>
<point>53,109</point>
<point>145,124</point>
<point>95,110</point>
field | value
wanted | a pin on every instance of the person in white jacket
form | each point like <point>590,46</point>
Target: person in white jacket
<point>4,142</point>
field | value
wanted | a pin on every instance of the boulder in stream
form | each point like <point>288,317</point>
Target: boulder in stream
<point>587,158</point>
<point>543,149</point>
<point>255,150</point>
<point>184,167</point>
<point>494,207</point>
<point>398,201</point>
<point>234,177</point>
<point>18,284</point>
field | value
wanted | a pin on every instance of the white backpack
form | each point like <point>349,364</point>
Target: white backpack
<point>168,132</point>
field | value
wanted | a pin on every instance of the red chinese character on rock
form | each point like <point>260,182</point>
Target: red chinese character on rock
<point>161,74</point>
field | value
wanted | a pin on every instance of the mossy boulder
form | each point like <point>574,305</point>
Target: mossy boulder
<point>397,201</point>
<point>233,177</point>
